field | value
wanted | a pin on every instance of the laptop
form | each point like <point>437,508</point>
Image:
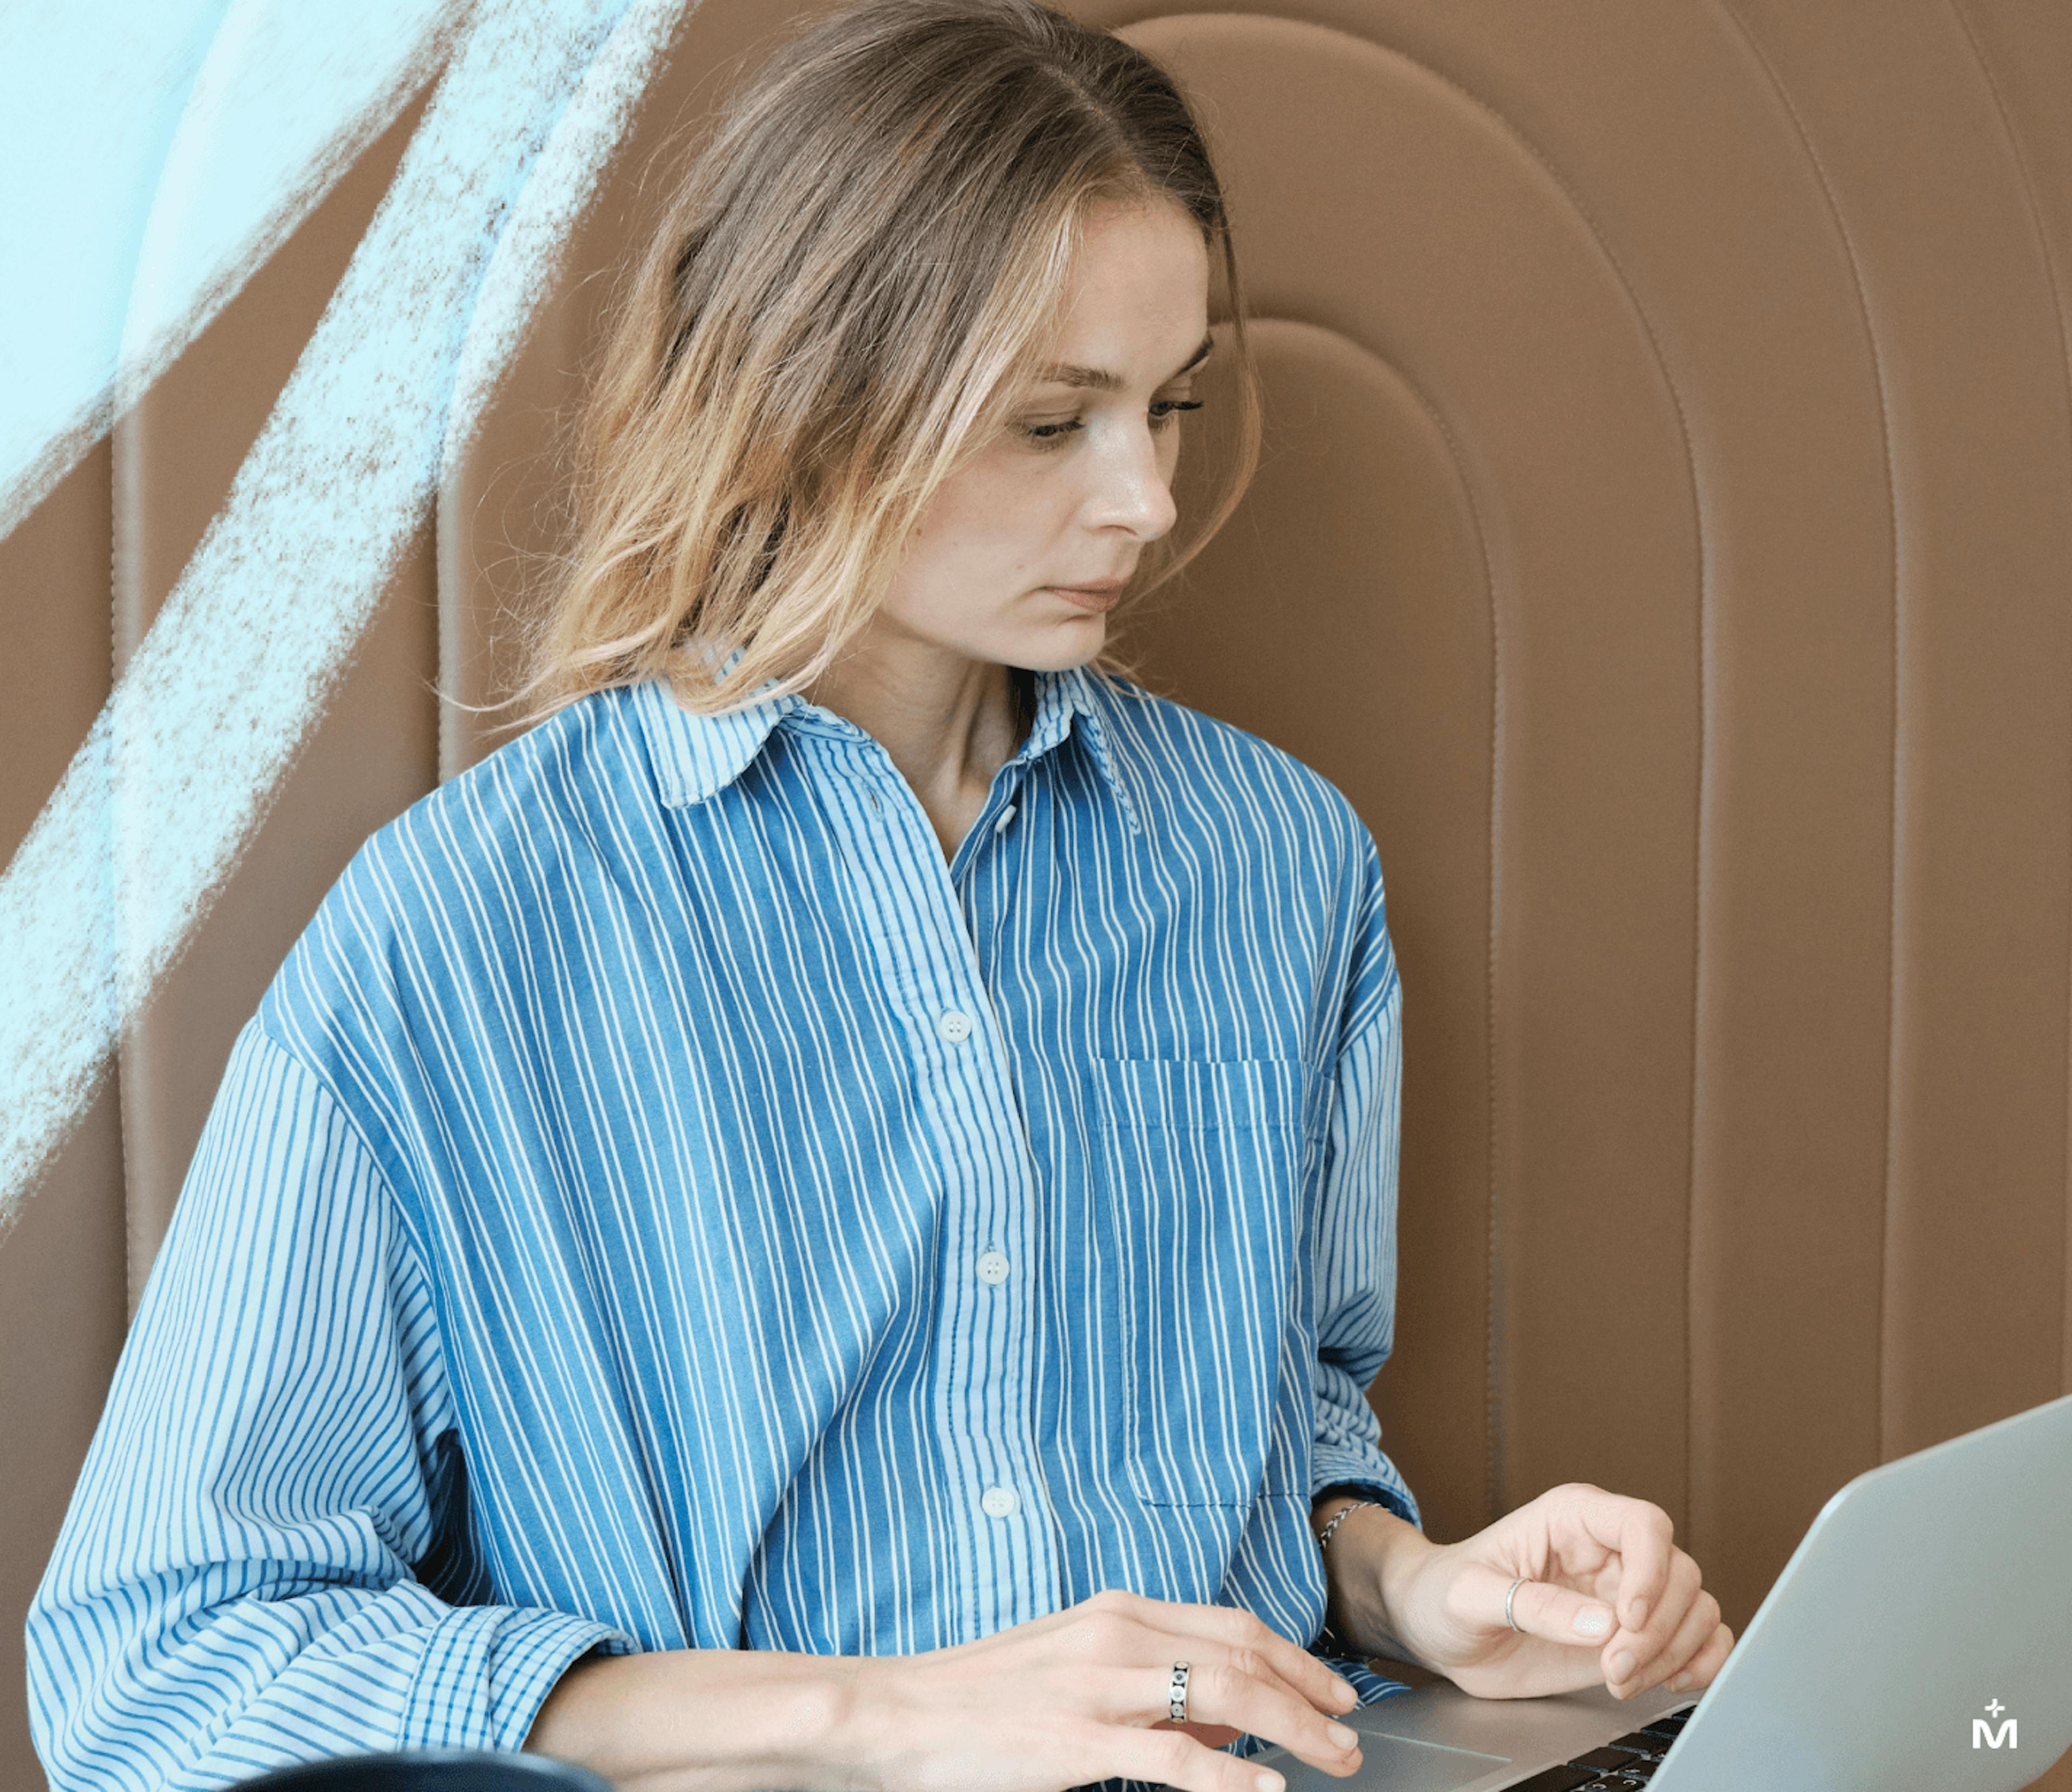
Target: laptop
<point>1920,1636</point>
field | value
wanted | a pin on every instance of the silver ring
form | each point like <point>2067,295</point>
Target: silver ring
<point>1508,1598</point>
<point>1176,1695</point>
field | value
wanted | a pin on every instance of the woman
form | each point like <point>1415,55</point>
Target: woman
<point>821,1218</point>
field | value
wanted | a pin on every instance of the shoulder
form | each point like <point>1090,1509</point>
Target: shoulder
<point>1190,759</point>
<point>521,804</point>
<point>445,884</point>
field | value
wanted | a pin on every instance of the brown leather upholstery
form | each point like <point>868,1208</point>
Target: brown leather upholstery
<point>1664,540</point>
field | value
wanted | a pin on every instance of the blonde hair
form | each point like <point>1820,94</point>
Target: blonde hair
<point>854,285</point>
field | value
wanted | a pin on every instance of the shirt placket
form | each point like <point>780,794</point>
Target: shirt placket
<point>1003,1533</point>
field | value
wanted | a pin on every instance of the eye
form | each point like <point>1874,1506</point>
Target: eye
<point>1162,411</point>
<point>1055,435</point>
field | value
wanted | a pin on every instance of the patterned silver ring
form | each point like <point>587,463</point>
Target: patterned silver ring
<point>1508,1598</point>
<point>1176,1694</point>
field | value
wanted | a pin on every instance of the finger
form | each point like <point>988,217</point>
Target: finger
<point>1630,1653</point>
<point>1700,1619</point>
<point>1230,1692</point>
<point>1544,1609</point>
<point>1284,1663</point>
<point>1162,1637</point>
<point>1172,1758</point>
<point>1704,1668</point>
<point>1211,1736</point>
<point>1261,1666</point>
<point>1638,1530</point>
<point>1302,1674</point>
<point>1699,1625</point>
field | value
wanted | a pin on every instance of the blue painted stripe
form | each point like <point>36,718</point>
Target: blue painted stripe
<point>127,858</point>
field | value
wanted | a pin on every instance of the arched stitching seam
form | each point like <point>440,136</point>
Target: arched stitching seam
<point>1728,8</point>
<point>2065,352</point>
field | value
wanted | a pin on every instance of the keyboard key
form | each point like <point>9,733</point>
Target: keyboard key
<point>1557,1779</point>
<point>1642,1743</point>
<point>1609,1755</point>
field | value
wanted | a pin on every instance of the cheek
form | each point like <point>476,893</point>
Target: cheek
<point>1000,526</point>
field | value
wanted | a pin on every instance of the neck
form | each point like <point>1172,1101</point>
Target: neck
<point>947,723</point>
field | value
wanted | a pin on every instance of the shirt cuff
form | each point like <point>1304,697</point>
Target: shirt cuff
<point>488,1669</point>
<point>1355,1472</point>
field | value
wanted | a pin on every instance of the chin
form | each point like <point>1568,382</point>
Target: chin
<point>1055,655</point>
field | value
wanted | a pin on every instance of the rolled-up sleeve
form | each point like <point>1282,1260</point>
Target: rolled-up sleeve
<point>1356,1218</point>
<point>235,1587</point>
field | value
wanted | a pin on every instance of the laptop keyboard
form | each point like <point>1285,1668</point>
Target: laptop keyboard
<point>1629,1760</point>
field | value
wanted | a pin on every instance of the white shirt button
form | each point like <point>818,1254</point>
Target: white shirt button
<point>1006,815</point>
<point>999,1501</point>
<point>954,1025</point>
<point>993,1268</point>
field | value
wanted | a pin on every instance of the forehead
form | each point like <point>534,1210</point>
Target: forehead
<point>1138,306</point>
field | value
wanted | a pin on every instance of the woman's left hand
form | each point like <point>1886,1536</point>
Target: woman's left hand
<point>1586,1556</point>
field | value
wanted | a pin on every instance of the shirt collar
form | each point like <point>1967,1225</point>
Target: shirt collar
<point>696,756</point>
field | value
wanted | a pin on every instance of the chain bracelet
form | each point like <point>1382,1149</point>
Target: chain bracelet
<point>1338,1517</point>
<point>1327,1637</point>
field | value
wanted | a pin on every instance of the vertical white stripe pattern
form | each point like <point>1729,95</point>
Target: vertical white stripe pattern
<point>660,1204</point>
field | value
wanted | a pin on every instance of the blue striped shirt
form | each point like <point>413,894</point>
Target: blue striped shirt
<point>660,1204</point>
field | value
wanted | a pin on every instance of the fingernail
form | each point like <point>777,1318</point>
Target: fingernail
<point>1622,1665</point>
<point>1342,1734</point>
<point>1679,1684</point>
<point>1594,1623</point>
<point>1343,1690</point>
<point>1269,1782</point>
<point>1639,1615</point>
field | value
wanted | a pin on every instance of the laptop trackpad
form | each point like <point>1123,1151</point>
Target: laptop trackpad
<point>1394,1763</point>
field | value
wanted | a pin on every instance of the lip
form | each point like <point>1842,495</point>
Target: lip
<point>1089,597</point>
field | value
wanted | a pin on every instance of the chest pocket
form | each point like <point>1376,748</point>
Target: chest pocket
<point>1199,1167</point>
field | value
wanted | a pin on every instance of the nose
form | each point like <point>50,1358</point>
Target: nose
<point>1129,489</point>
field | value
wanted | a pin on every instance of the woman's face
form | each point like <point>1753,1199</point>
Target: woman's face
<point>1081,478</point>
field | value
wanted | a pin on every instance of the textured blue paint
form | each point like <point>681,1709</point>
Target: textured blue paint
<point>176,772</point>
<point>168,147</point>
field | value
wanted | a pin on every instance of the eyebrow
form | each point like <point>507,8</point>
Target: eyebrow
<point>1101,381</point>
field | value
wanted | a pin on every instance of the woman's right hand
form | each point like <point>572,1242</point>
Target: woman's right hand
<point>1080,1695</point>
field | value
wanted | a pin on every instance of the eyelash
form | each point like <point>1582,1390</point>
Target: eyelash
<point>1054,435</point>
